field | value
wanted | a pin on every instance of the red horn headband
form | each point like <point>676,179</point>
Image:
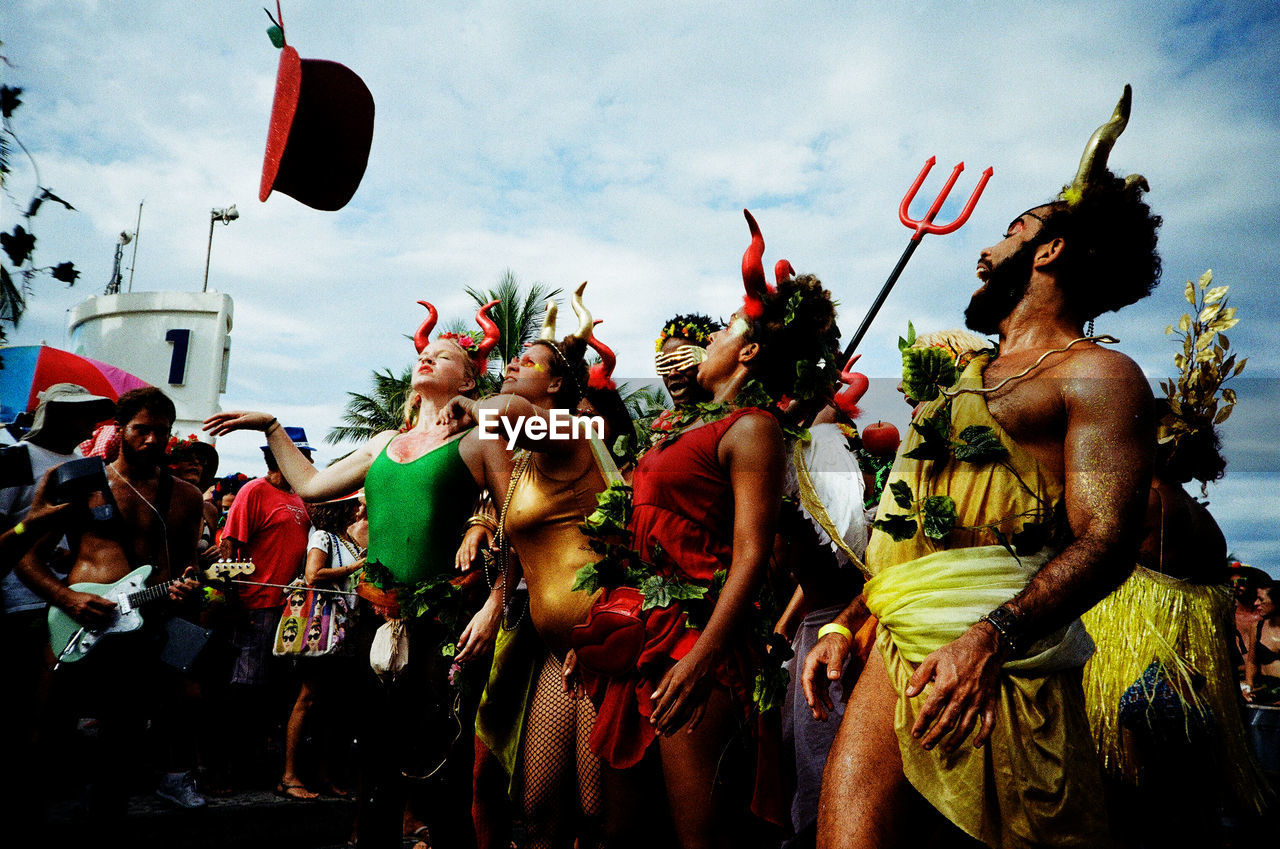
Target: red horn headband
<point>491,334</point>
<point>420,340</point>
<point>783,271</point>
<point>480,353</point>
<point>856,385</point>
<point>753,271</point>
<point>602,372</point>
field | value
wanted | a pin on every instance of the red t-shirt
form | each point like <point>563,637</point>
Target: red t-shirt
<point>273,527</point>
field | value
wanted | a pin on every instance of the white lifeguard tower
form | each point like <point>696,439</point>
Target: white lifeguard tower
<point>179,342</point>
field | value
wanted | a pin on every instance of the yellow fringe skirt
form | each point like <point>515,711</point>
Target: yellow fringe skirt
<point>1185,628</point>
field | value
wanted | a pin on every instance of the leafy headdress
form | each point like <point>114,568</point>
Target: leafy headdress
<point>1198,398</point>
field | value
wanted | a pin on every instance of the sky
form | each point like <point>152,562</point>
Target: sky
<point>574,141</point>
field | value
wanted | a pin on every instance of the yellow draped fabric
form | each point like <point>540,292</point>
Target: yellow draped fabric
<point>1185,628</point>
<point>1037,781</point>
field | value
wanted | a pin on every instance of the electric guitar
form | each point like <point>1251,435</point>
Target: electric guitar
<point>72,641</point>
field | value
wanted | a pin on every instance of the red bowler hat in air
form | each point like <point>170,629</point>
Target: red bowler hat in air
<point>320,133</point>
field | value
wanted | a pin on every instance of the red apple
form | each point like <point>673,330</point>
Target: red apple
<point>881,439</point>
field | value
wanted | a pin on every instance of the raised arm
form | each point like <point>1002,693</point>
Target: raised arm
<point>310,483</point>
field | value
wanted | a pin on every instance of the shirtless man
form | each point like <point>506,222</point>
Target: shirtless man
<point>1077,419</point>
<point>158,522</point>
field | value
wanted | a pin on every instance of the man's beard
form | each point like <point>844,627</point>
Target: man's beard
<point>145,458</point>
<point>1004,287</point>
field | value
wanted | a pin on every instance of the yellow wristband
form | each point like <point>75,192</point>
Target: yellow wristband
<point>835,628</point>
<point>19,529</point>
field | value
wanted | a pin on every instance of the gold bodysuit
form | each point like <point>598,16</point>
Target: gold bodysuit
<point>542,524</point>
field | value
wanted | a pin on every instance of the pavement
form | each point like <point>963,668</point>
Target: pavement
<point>245,820</point>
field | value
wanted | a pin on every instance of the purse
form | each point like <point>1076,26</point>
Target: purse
<point>315,620</point>
<point>389,653</point>
<point>610,641</point>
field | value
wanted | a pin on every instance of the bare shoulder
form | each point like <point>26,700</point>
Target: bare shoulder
<point>756,434</point>
<point>1103,377</point>
<point>377,442</point>
<point>755,425</point>
<point>1100,361</point>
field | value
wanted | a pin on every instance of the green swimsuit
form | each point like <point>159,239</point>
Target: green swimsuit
<point>416,511</point>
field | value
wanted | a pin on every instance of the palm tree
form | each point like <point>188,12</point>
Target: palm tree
<point>367,415</point>
<point>518,316</point>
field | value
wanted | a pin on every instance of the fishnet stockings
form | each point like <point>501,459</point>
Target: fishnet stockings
<point>555,747</point>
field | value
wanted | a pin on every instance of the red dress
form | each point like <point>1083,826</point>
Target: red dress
<point>682,522</point>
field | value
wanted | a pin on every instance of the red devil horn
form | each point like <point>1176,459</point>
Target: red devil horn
<point>420,339</point>
<point>490,329</point>
<point>607,358</point>
<point>846,376</point>
<point>783,271</point>
<point>752,267</point>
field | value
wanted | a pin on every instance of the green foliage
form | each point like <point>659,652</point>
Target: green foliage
<point>936,433</point>
<point>519,316</point>
<point>19,244</point>
<point>899,527</point>
<point>939,514</point>
<point>1198,398</point>
<point>902,494</point>
<point>979,444</point>
<point>926,369</point>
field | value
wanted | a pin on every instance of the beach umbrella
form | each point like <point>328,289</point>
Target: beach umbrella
<point>30,369</point>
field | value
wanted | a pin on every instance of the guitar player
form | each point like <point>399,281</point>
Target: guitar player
<point>122,682</point>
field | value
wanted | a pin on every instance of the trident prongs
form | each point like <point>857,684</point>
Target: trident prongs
<point>680,359</point>
<point>926,225</point>
<point>921,227</point>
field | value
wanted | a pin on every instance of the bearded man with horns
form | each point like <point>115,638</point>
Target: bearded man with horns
<point>1013,507</point>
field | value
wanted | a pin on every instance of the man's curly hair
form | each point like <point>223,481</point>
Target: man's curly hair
<point>694,326</point>
<point>799,340</point>
<point>1110,260</point>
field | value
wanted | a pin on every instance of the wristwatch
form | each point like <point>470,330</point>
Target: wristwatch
<point>1008,625</point>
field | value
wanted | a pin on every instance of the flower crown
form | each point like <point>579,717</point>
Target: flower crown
<point>176,444</point>
<point>696,328</point>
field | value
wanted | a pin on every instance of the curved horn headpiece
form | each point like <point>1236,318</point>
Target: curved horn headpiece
<point>783,270</point>
<point>549,322</point>
<point>420,340</point>
<point>856,385</point>
<point>584,315</point>
<point>491,334</point>
<point>752,266</point>
<point>1094,161</point>
<point>602,372</point>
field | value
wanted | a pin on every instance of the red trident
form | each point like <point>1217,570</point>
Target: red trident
<point>921,227</point>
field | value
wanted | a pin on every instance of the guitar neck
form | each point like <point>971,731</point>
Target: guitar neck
<point>148,595</point>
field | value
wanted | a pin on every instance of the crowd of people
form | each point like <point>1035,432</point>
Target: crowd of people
<point>745,622</point>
